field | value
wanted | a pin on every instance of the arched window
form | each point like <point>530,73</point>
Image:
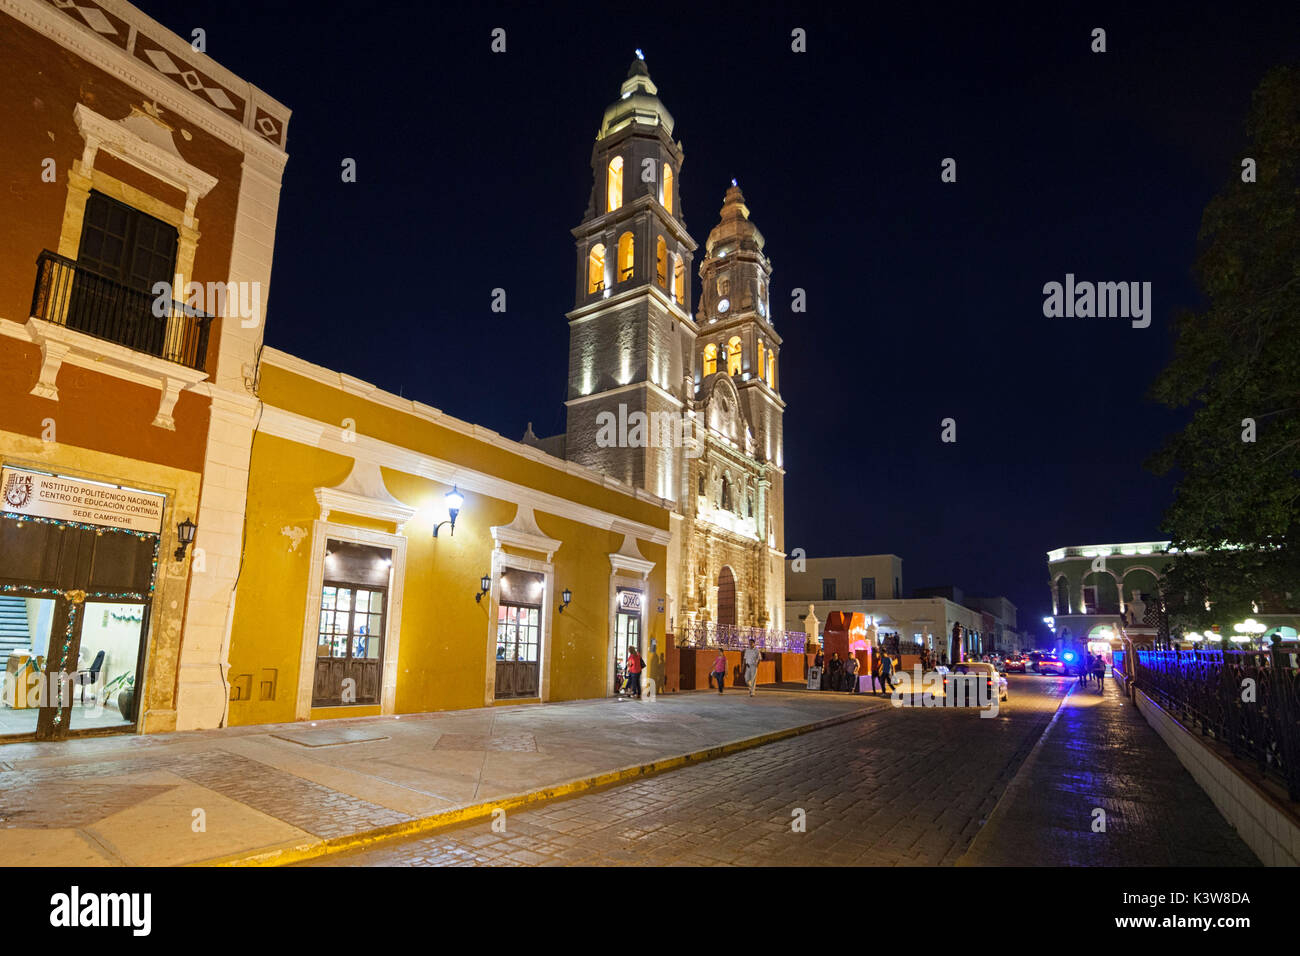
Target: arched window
<point>710,359</point>
<point>750,506</point>
<point>771,369</point>
<point>733,355</point>
<point>614,185</point>
<point>725,501</point>
<point>661,262</point>
<point>625,256</point>
<point>1062,596</point>
<point>596,268</point>
<point>668,188</point>
<point>761,360</point>
<point>700,484</point>
<point>679,280</point>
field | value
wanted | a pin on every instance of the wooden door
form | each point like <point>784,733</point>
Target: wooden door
<point>726,597</point>
<point>518,650</point>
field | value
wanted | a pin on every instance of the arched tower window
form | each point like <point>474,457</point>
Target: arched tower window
<point>614,185</point>
<point>700,485</point>
<point>668,188</point>
<point>725,502</point>
<point>710,359</point>
<point>733,355</point>
<point>625,256</point>
<point>771,369</point>
<point>596,268</point>
<point>661,262</point>
<point>679,280</point>
<point>762,366</point>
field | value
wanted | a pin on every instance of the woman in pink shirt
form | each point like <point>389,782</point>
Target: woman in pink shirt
<point>719,672</point>
<point>635,664</point>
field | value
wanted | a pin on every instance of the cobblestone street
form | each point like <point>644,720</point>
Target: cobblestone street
<point>900,787</point>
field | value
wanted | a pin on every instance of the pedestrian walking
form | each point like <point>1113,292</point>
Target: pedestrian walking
<point>635,664</point>
<point>851,672</point>
<point>719,672</point>
<point>1085,669</point>
<point>887,672</point>
<point>1099,671</point>
<point>751,659</point>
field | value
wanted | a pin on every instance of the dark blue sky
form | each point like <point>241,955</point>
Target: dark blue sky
<point>924,298</point>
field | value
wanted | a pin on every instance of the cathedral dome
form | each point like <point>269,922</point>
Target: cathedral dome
<point>734,231</point>
<point>637,103</point>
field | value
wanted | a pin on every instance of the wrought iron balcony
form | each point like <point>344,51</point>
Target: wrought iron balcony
<point>732,637</point>
<point>76,298</point>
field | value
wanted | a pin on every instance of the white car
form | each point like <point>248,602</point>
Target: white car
<point>992,678</point>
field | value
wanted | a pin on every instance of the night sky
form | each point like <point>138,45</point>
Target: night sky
<point>924,298</point>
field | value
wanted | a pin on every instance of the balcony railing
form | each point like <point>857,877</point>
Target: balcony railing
<point>733,637</point>
<point>1248,700</point>
<point>69,295</point>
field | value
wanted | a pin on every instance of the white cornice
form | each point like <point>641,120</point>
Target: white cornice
<point>585,313</point>
<point>631,386</point>
<point>372,393</point>
<point>317,434</point>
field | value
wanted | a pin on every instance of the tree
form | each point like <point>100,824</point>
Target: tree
<point>1237,365</point>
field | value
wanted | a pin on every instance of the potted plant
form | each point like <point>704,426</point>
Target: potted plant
<point>124,686</point>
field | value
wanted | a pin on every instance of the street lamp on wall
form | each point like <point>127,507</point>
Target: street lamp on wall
<point>454,501</point>
<point>565,597</point>
<point>185,535</point>
<point>485,585</point>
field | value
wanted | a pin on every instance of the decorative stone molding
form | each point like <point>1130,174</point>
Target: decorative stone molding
<point>363,493</point>
<point>523,533</point>
<point>628,559</point>
<point>60,344</point>
<point>144,141</point>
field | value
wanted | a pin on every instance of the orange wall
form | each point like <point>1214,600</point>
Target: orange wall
<point>99,412</point>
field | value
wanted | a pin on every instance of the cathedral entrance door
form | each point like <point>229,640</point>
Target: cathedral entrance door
<point>726,596</point>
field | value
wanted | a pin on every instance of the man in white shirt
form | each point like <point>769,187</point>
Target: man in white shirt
<point>752,656</point>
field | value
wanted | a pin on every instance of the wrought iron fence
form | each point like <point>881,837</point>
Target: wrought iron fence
<point>733,637</point>
<point>1248,700</point>
<point>69,295</point>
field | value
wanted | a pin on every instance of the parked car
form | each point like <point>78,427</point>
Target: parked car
<point>995,683</point>
<point>1015,665</point>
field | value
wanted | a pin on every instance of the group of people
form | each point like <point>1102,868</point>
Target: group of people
<point>1094,668</point>
<point>749,664</point>
<point>633,667</point>
<point>842,675</point>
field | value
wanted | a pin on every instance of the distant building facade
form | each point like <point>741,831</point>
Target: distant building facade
<point>941,619</point>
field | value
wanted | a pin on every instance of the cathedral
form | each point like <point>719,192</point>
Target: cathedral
<point>701,391</point>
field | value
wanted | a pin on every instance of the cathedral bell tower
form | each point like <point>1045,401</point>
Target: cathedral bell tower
<point>737,337</point>
<point>631,334</point>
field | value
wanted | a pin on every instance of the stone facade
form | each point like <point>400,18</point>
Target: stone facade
<point>710,438</point>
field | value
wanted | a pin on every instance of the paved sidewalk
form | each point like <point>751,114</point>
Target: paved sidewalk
<point>1099,753</point>
<point>133,800</point>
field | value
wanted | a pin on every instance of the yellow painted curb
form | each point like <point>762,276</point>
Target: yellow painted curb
<point>285,855</point>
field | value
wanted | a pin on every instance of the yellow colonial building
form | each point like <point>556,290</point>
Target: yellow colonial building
<point>398,560</point>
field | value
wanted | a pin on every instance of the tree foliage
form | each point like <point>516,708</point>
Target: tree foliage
<point>1235,363</point>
